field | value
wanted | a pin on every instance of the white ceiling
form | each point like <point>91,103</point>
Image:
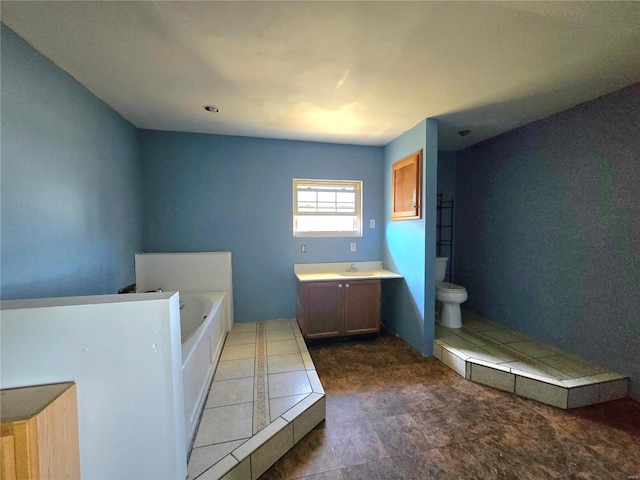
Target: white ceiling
<point>344,72</point>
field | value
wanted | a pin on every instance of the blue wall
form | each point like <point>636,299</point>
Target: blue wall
<point>70,187</point>
<point>548,229</point>
<point>447,174</point>
<point>447,187</point>
<point>409,246</point>
<point>211,192</point>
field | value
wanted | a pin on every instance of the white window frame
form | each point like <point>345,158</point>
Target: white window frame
<point>299,183</point>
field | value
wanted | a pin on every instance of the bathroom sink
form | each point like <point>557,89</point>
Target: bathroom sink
<point>357,274</point>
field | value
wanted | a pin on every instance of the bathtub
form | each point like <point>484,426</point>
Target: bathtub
<point>204,325</point>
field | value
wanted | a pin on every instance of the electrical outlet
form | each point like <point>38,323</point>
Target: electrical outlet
<point>303,248</point>
<point>353,246</point>
<point>372,223</point>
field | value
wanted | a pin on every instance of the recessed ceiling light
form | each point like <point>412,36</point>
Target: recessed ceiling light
<point>211,108</point>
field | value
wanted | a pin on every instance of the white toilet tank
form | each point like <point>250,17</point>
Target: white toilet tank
<point>441,268</point>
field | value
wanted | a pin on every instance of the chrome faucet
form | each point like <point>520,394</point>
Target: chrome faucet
<point>352,268</point>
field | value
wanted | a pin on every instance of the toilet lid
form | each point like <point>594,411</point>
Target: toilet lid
<point>449,287</point>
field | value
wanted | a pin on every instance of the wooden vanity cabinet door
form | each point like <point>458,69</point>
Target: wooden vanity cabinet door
<point>322,309</point>
<point>362,307</point>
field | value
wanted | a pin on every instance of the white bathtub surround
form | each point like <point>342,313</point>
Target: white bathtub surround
<point>204,280</point>
<point>204,329</point>
<point>492,354</point>
<point>124,353</point>
<point>192,271</point>
<point>265,397</point>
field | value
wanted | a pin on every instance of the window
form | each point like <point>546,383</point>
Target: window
<point>327,208</point>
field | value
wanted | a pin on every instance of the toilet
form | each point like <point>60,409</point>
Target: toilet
<point>450,295</point>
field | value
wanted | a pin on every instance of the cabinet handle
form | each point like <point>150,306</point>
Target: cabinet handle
<point>347,285</point>
<point>340,286</point>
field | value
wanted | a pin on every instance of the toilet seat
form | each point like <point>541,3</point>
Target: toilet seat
<point>450,287</point>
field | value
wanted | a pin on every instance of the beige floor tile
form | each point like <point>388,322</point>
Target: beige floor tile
<point>474,338</point>
<point>240,338</point>
<point>460,343</point>
<point>280,334</point>
<point>308,362</point>
<point>571,367</point>
<point>282,348</point>
<point>277,406</point>
<point>314,380</point>
<point>582,396</point>
<point>242,471</point>
<point>230,392</point>
<point>437,350</point>
<point>244,327</point>
<point>576,382</point>
<point>505,336</point>
<point>234,369</point>
<point>537,369</point>
<point>444,333</point>
<point>479,324</point>
<point>493,378</point>
<point>308,419</point>
<point>454,362</point>
<point>278,324</point>
<point>287,384</point>
<point>302,346</point>
<point>220,470</point>
<point>605,377</point>
<point>237,352</point>
<point>532,348</point>
<point>613,390</point>
<point>202,458</point>
<point>271,451</point>
<point>501,353</point>
<point>225,424</point>
<point>542,392</point>
<point>285,363</point>
<point>485,355</point>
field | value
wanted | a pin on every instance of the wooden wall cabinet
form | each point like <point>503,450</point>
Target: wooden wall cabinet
<point>406,188</point>
<point>338,308</point>
<point>40,433</point>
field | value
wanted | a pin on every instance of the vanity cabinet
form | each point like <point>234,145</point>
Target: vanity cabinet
<point>338,308</point>
<point>40,433</point>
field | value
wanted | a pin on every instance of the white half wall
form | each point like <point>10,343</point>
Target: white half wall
<point>124,353</point>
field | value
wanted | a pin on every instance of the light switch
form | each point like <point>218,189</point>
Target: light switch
<point>372,223</point>
<point>353,246</point>
<point>303,248</point>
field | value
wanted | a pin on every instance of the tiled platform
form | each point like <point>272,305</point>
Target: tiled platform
<point>264,398</point>
<point>491,354</point>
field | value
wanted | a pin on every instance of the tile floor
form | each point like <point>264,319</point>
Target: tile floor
<point>492,354</point>
<point>265,396</point>
<point>393,414</point>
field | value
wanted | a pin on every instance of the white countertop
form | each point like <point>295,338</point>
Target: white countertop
<point>310,272</point>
